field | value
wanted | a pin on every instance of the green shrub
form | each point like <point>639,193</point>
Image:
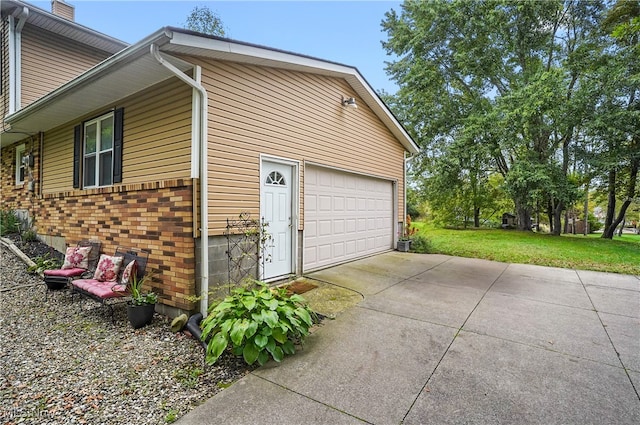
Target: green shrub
<point>44,262</point>
<point>260,323</point>
<point>29,235</point>
<point>420,244</point>
<point>594,224</point>
<point>9,222</point>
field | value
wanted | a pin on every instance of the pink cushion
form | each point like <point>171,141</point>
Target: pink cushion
<point>126,274</point>
<point>108,268</point>
<point>101,289</point>
<point>64,272</point>
<point>77,257</point>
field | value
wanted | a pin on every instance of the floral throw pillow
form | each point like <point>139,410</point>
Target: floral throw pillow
<point>77,257</point>
<point>128,271</point>
<point>108,268</point>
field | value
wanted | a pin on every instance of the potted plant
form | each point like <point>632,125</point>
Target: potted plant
<point>142,305</point>
<point>404,243</point>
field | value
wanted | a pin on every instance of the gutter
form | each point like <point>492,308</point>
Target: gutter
<point>15,56</point>
<point>202,140</point>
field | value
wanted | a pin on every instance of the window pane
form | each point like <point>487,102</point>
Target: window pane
<point>20,169</point>
<point>106,133</point>
<point>106,172</point>
<point>89,171</point>
<point>90,139</point>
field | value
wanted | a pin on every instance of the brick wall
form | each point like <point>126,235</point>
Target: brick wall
<point>157,216</point>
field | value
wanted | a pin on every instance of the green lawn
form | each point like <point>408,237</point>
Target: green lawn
<point>621,255</point>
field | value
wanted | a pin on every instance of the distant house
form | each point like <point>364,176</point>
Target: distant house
<point>135,144</point>
<point>508,221</point>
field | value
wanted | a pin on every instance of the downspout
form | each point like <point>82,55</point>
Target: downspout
<point>15,56</point>
<point>204,203</point>
<point>407,159</point>
<point>40,164</point>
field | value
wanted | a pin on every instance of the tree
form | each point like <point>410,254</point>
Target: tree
<point>617,111</point>
<point>203,20</point>
<point>502,77</point>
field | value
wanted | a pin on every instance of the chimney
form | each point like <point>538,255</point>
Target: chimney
<point>62,9</point>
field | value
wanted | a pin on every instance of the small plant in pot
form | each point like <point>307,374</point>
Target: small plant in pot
<point>142,305</point>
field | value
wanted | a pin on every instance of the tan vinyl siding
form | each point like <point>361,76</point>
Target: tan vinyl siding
<point>49,61</point>
<point>257,110</point>
<point>156,142</point>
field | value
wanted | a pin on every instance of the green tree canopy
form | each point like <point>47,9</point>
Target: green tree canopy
<point>204,20</point>
<point>499,85</point>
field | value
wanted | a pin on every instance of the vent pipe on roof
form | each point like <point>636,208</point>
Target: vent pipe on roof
<point>63,10</point>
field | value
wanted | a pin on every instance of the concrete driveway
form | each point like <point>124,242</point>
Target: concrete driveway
<point>441,339</point>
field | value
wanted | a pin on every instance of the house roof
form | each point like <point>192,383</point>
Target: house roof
<point>64,27</point>
<point>134,69</point>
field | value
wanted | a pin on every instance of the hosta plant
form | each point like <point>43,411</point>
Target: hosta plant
<point>258,322</point>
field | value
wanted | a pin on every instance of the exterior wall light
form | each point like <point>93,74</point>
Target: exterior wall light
<point>349,103</point>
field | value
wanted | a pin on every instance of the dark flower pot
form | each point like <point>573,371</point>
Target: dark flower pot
<point>140,315</point>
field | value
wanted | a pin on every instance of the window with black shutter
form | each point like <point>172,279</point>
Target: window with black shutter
<point>97,156</point>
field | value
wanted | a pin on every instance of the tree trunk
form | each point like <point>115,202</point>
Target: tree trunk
<point>586,210</point>
<point>476,217</point>
<point>631,192</point>
<point>608,231</point>
<point>550,217</point>
<point>557,219</point>
<point>524,217</point>
<point>566,222</point>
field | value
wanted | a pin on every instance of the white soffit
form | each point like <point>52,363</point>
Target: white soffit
<point>98,88</point>
<point>50,22</point>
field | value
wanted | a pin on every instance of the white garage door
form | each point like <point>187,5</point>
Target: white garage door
<point>346,216</point>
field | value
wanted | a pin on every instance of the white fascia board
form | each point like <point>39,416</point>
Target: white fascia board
<point>256,54</point>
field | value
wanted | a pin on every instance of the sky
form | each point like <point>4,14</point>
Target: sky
<point>346,32</point>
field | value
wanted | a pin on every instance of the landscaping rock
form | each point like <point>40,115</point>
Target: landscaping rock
<point>64,362</point>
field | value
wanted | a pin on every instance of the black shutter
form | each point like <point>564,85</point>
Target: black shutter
<point>118,129</point>
<point>77,154</point>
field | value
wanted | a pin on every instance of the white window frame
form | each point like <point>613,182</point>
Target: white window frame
<point>20,149</point>
<point>99,151</point>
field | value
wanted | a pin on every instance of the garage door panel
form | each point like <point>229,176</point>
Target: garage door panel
<point>324,252</point>
<point>324,203</point>
<point>311,254</point>
<point>346,216</point>
<point>310,229</point>
<point>324,227</point>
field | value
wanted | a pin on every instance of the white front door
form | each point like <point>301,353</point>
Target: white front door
<point>276,211</point>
